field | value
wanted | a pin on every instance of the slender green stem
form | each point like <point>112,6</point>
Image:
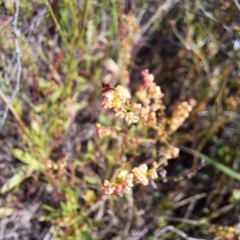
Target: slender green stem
<point>73,9</point>
<point>83,19</point>
<point>104,5</point>
<point>56,23</point>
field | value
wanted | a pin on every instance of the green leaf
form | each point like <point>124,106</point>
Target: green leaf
<point>88,156</point>
<point>56,94</point>
<point>221,167</point>
<point>17,106</point>
<point>36,108</point>
<point>91,180</point>
<point>99,224</point>
<point>90,33</point>
<point>86,235</point>
<point>36,126</point>
<point>78,106</point>
<point>78,162</point>
<point>27,158</point>
<point>90,147</point>
<point>4,211</point>
<point>39,108</point>
<point>13,182</point>
<point>42,83</point>
<point>64,207</point>
<point>104,120</point>
<point>48,208</point>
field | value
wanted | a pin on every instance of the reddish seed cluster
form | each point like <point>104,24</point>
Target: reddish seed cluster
<point>179,115</point>
<point>170,153</point>
<point>128,33</point>
<point>149,93</point>
<point>105,131</point>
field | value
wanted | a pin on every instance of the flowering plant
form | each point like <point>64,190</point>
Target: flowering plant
<point>149,114</point>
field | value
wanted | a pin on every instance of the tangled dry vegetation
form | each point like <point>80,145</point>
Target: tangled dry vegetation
<point>119,120</point>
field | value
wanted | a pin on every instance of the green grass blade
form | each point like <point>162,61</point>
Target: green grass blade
<point>221,167</point>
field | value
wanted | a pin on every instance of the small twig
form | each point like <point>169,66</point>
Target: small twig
<point>97,205</point>
<point>141,13</point>
<point>187,221</point>
<point>51,232</point>
<point>190,208</point>
<point>210,16</point>
<point>18,57</point>
<point>137,235</point>
<point>5,74</point>
<point>161,11</point>
<point>130,213</point>
<point>204,220</point>
<point>173,229</point>
<point>231,114</point>
<point>237,4</point>
<point>186,45</point>
<point>13,111</point>
<point>189,200</point>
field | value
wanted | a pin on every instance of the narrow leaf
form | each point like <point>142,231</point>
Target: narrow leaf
<point>90,180</point>
<point>13,182</point>
<point>221,167</point>
<point>27,158</point>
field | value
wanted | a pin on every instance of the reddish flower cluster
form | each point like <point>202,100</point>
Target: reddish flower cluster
<point>125,180</point>
<point>123,183</point>
<point>170,153</point>
<point>119,100</point>
<point>150,95</point>
<point>151,114</point>
<point>105,131</point>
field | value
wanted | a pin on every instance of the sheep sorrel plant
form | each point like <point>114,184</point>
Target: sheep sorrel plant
<point>146,127</point>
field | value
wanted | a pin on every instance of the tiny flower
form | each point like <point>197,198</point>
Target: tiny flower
<point>110,95</point>
<point>106,103</point>
<point>155,107</point>
<point>171,152</point>
<point>140,174</point>
<point>108,188</point>
<point>152,173</point>
<point>152,118</point>
<point>124,181</point>
<point>148,81</point>
<point>131,118</point>
<point>180,113</point>
<point>175,152</point>
<point>121,175</point>
<point>118,189</point>
<point>120,114</point>
<point>105,131</point>
<point>137,108</point>
<point>116,103</point>
<point>127,184</point>
<point>123,93</point>
<point>143,167</point>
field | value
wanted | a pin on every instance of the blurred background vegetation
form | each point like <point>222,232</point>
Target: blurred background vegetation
<point>54,56</point>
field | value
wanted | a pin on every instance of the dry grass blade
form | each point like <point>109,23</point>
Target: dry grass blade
<point>159,14</point>
<point>18,63</point>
